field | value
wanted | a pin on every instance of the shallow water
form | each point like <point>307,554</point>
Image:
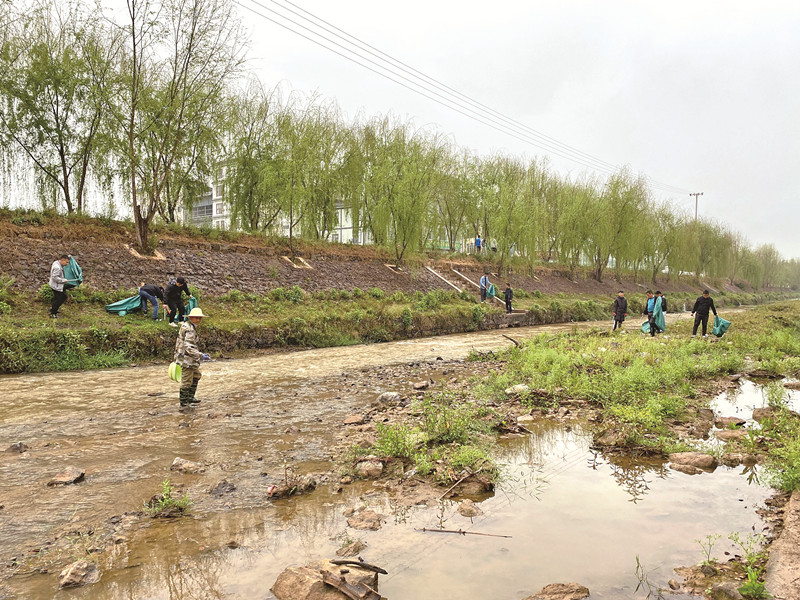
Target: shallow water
<point>574,515</point>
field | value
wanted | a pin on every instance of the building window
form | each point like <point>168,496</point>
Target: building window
<point>218,191</point>
<point>203,210</point>
<point>218,210</point>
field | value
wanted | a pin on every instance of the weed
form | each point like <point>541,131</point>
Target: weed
<point>653,591</point>
<point>751,547</point>
<point>753,589</point>
<point>396,440</point>
<point>707,546</point>
<point>166,504</point>
<point>377,293</point>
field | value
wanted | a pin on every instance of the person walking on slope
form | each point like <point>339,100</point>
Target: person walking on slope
<point>620,309</point>
<point>57,281</point>
<point>478,244</point>
<point>485,283</point>
<point>508,294</point>
<point>188,356</point>
<point>151,293</point>
<point>700,312</point>
<point>174,302</point>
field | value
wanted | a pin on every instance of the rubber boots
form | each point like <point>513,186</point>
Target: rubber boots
<point>192,392</point>
<point>186,396</point>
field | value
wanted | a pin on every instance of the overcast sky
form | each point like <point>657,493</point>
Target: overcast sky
<point>700,96</point>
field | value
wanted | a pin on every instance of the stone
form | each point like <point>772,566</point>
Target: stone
<point>352,549</point>
<point>783,568</point>
<point>561,591</point>
<point>389,398</point>
<point>222,488</point>
<point>421,385</point>
<point>366,519</point>
<point>17,447</point>
<point>299,485</point>
<point>688,469</point>
<point>526,419</point>
<point>694,459</point>
<point>186,466</point>
<point>369,468</point>
<point>469,509</point>
<point>727,422</point>
<point>67,476</point>
<point>354,420</point>
<point>792,385</point>
<point>79,573</point>
<point>673,584</point>
<point>705,413</point>
<point>725,591</point>
<point>475,485</point>
<point>729,435</point>
<point>305,583</point>
<point>517,390</point>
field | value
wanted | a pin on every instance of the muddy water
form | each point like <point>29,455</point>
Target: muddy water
<point>568,510</point>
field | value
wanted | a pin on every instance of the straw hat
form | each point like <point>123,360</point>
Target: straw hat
<point>196,312</point>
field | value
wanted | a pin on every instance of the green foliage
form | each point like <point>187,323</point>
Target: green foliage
<point>377,293</point>
<point>751,545</point>
<point>753,589</point>
<point>45,294</point>
<point>396,440</point>
<point>408,319</point>
<point>5,308</point>
<point>166,503</point>
<point>707,546</point>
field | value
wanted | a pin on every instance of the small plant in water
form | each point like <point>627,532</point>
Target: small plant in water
<point>751,546</point>
<point>707,545</point>
<point>753,589</point>
<point>653,591</point>
<point>166,504</point>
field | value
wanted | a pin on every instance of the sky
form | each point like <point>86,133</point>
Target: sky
<point>698,96</point>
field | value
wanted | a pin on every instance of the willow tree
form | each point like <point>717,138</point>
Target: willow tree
<point>179,57</point>
<point>574,222</point>
<point>54,61</point>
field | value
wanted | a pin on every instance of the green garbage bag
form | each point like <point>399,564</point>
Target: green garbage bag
<point>658,315</point>
<point>123,307</point>
<point>190,304</point>
<point>490,291</point>
<point>720,326</point>
<point>646,327</point>
<point>73,274</point>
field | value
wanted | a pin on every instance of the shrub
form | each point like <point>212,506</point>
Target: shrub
<point>376,293</point>
<point>295,294</point>
<point>166,504</point>
<point>396,440</point>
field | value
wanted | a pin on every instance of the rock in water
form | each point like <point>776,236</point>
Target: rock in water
<point>186,466</point>
<point>369,468</point>
<point>67,476</point>
<point>222,488</point>
<point>561,591</point>
<point>305,583</point>
<point>366,519</point>
<point>352,549</point>
<point>389,398</point>
<point>18,447</point>
<point>694,459</point>
<point>79,573</point>
<point>469,509</point>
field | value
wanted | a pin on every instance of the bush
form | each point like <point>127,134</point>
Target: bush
<point>5,308</point>
<point>396,440</point>
<point>45,293</point>
<point>295,294</point>
<point>166,504</point>
<point>376,293</point>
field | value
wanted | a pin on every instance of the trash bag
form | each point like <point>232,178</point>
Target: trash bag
<point>190,304</point>
<point>720,326</point>
<point>73,274</point>
<point>658,315</point>
<point>123,307</point>
<point>646,327</point>
<point>491,292</point>
<point>175,371</point>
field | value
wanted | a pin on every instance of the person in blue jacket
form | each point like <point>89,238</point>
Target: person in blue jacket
<point>649,310</point>
<point>485,283</point>
<point>151,293</point>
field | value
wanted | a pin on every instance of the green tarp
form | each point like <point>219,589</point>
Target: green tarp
<point>720,326</point>
<point>123,307</point>
<point>73,274</point>
<point>658,317</point>
<point>490,291</point>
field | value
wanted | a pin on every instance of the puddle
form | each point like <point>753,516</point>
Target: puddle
<point>741,402</point>
<point>573,514</point>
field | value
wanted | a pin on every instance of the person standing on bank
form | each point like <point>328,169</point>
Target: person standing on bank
<point>151,293</point>
<point>663,299</point>
<point>57,282</point>
<point>175,288</point>
<point>649,309</point>
<point>189,357</point>
<point>620,309</point>
<point>508,294</point>
<point>478,244</point>
<point>485,283</point>
<point>700,312</point>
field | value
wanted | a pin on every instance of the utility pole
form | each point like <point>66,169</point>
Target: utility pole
<point>696,194</point>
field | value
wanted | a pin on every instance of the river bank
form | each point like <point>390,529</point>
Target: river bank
<point>266,419</point>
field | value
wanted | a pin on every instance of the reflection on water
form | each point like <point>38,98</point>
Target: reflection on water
<point>749,395</point>
<point>573,514</point>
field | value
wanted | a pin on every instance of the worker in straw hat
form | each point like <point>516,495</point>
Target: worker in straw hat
<point>189,357</point>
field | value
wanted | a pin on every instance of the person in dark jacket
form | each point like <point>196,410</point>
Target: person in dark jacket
<point>175,288</point>
<point>620,309</point>
<point>508,294</point>
<point>702,306</point>
<point>663,299</point>
<point>151,293</point>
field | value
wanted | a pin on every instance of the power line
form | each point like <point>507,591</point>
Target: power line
<point>450,99</point>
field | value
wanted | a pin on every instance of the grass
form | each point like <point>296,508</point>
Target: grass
<point>639,383</point>
<point>167,503</point>
<point>449,438</point>
<point>87,336</point>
